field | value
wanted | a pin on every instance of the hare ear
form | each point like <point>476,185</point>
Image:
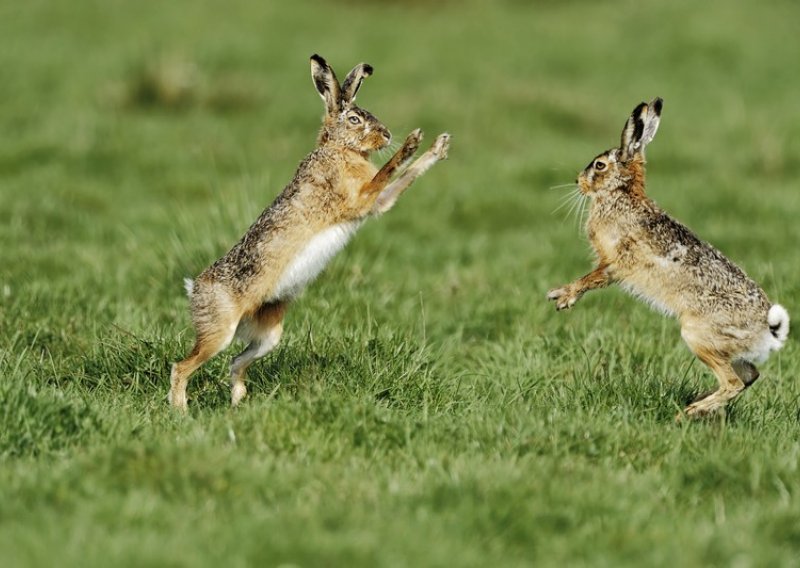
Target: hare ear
<point>632,133</point>
<point>352,83</point>
<point>326,84</point>
<point>640,129</point>
<point>652,120</point>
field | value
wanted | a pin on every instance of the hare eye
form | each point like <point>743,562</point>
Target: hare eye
<point>354,119</point>
<point>599,166</point>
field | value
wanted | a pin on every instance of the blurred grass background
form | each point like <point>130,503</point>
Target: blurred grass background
<point>427,406</point>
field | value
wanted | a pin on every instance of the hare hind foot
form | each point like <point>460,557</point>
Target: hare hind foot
<point>745,370</point>
<point>711,404</point>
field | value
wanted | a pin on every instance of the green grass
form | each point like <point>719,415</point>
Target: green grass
<point>427,406</point>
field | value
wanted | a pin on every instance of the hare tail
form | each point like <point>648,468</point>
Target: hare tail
<point>188,283</point>
<point>778,320</point>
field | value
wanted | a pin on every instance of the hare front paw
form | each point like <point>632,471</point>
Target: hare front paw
<point>564,297</point>
<point>441,145</point>
<point>411,144</point>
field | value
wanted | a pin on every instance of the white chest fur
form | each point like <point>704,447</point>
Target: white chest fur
<point>312,258</point>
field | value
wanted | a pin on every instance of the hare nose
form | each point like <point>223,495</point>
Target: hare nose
<point>387,135</point>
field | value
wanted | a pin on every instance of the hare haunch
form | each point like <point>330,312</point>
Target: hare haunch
<point>726,319</point>
<point>245,293</point>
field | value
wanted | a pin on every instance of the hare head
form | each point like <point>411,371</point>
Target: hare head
<point>617,168</point>
<point>346,124</point>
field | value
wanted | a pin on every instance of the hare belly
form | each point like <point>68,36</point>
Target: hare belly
<point>656,280</point>
<point>312,258</point>
<point>650,288</point>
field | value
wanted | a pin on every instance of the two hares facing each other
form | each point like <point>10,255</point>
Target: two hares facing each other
<point>245,293</point>
<point>726,319</point>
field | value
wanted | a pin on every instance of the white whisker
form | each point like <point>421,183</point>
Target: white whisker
<point>568,200</point>
<point>388,151</point>
<point>576,205</point>
<point>565,200</point>
<point>563,185</point>
<point>584,209</point>
<point>574,201</point>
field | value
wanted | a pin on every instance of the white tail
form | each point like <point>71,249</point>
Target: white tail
<point>188,283</point>
<point>778,320</point>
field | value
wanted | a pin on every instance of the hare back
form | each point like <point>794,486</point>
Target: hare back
<point>278,264</point>
<point>677,283</point>
<point>317,200</point>
<point>661,261</point>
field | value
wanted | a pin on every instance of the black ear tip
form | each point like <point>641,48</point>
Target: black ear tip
<point>319,60</point>
<point>658,104</point>
<point>639,108</point>
<point>367,69</point>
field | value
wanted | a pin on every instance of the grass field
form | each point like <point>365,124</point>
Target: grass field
<point>427,406</point>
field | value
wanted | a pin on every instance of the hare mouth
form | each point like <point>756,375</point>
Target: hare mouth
<point>585,187</point>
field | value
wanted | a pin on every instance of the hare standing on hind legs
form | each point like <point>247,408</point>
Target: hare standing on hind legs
<point>245,293</point>
<point>726,319</point>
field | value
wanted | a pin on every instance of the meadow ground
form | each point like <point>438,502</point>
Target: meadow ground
<point>427,407</point>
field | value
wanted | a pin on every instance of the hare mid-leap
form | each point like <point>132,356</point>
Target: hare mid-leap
<point>245,293</point>
<point>726,319</point>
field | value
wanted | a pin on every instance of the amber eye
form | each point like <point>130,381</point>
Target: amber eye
<point>354,119</point>
<point>599,166</point>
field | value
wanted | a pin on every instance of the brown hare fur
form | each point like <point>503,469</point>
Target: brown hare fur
<point>726,319</point>
<point>245,293</point>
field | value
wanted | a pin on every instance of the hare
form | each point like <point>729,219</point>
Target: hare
<point>726,319</point>
<point>246,293</point>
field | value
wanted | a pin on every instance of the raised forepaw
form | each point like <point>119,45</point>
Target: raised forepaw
<point>564,297</point>
<point>441,145</point>
<point>411,144</point>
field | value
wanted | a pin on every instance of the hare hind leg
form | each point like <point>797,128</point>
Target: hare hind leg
<point>745,371</point>
<point>264,330</point>
<point>215,317</point>
<point>730,384</point>
<point>208,344</point>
